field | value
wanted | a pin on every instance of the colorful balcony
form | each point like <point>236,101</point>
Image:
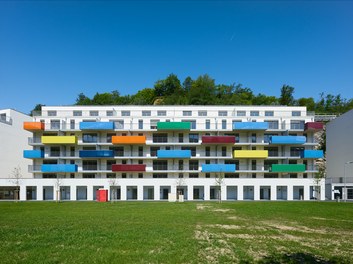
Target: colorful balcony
<point>128,140</point>
<point>293,140</point>
<point>218,168</point>
<point>59,168</point>
<point>97,125</point>
<point>33,154</point>
<point>288,168</point>
<point>129,167</point>
<point>250,126</point>
<point>59,139</point>
<point>246,154</point>
<point>312,154</point>
<point>313,126</point>
<point>174,154</point>
<point>218,139</point>
<point>96,153</point>
<point>173,126</point>
<point>33,126</point>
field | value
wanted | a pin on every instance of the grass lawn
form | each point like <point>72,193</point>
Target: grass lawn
<point>190,232</point>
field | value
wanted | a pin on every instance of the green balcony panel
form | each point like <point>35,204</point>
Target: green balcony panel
<point>288,168</point>
<point>173,126</point>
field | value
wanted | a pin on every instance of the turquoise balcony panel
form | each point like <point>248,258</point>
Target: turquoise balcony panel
<point>96,153</point>
<point>250,126</point>
<point>174,154</point>
<point>288,140</point>
<point>97,125</point>
<point>312,154</point>
<point>33,154</point>
<point>218,167</point>
<point>59,168</point>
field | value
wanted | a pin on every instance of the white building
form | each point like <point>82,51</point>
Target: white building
<point>13,140</point>
<point>152,152</point>
<point>339,155</point>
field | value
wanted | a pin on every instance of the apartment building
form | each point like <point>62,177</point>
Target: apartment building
<point>156,152</point>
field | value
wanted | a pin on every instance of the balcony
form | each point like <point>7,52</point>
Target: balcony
<point>288,168</point>
<point>33,126</point>
<point>97,125</point>
<point>313,126</point>
<point>250,126</point>
<point>257,154</point>
<point>293,140</point>
<point>173,126</point>
<point>312,154</point>
<point>218,139</point>
<point>59,139</point>
<point>218,168</point>
<point>59,168</point>
<point>128,140</point>
<point>96,153</point>
<point>174,154</point>
<point>129,167</point>
<point>33,154</point>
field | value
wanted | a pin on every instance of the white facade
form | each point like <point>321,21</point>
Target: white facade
<point>150,152</point>
<point>339,145</point>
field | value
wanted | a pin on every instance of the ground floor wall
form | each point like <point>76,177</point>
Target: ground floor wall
<point>162,189</point>
<point>339,191</point>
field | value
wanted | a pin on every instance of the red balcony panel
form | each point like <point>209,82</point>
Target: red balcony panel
<point>218,139</point>
<point>314,126</point>
<point>129,167</point>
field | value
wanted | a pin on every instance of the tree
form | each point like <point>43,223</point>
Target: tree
<point>168,86</point>
<point>16,179</point>
<point>179,183</point>
<point>113,183</point>
<point>308,102</point>
<point>242,96</point>
<point>144,97</point>
<point>58,182</point>
<point>287,95</point>
<point>202,91</point>
<point>36,109</point>
<point>319,176</point>
<point>219,181</point>
<point>83,100</point>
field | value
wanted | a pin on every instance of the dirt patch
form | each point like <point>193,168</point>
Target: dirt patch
<point>202,206</point>
<point>221,210</point>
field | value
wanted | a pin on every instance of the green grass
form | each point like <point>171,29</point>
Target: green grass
<point>190,232</point>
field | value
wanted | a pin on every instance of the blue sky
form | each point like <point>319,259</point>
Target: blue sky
<point>50,51</point>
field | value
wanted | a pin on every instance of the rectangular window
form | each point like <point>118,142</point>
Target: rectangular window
<point>110,113</point>
<point>268,113</point>
<point>181,138</point>
<point>186,113</point>
<point>146,113</point>
<point>160,138</point>
<point>140,124</point>
<point>296,113</point>
<point>154,151</point>
<point>193,165</point>
<point>254,113</point>
<point>193,124</point>
<point>125,113</point>
<point>77,113</point>
<point>160,175</point>
<point>208,151</point>
<point>51,113</point>
<point>93,113</point>
<point>181,164</point>
<point>193,150</point>
<point>253,165</point>
<point>241,113</point>
<point>89,165</point>
<point>153,123</point>
<point>224,124</point>
<point>119,124</point>
<point>193,138</point>
<point>193,175</point>
<point>140,152</point>
<point>253,138</point>
<point>161,113</point>
<point>272,124</point>
<point>237,138</point>
<point>222,113</point>
<point>224,151</point>
<point>89,138</point>
<point>109,137</point>
<point>72,124</point>
<point>297,124</point>
<point>160,165</point>
<point>202,113</point>
<point>208,124</point>
<point>55,124</point>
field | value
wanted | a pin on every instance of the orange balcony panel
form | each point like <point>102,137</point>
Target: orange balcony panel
<point>129,140</point>
<point>32,126</point>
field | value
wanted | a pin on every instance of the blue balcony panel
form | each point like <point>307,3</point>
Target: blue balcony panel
<point>59,168</point>
<point>97,125</point>
<point>96,153</point>
<point>33,154</point>
<point>288,140</point>
<point>218,167</point>
<point>312,154</point>
<point>250,126</point>
<point>172,154</point>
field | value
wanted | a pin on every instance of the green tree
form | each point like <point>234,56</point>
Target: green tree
<point>168,86</point>
<point>286,97</point>
<point>308,102</point>
<point>202,91</point>
<point>83,100</point>
<point>242,96</point>
<point>262,99</point>
<point>144,97</point>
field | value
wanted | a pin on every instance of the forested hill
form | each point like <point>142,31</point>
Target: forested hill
<point>205,91</point>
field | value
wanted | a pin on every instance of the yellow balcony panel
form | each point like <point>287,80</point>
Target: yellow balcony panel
<point>244,154</point>
<point>59,139</point>
<point>128,140</point>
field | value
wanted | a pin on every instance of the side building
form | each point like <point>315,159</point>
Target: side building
<point>156,152</point>
<point>339,155</point>
<point>13,140</point>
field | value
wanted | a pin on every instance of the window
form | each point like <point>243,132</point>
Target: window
<point>181,165</point>
<point>193,124</point>
<point>119,124</point>
<point>224,124</point>
<point>202,113</point>
<point>193,165</point>
<point>268,113</point>
<point>208,151</point>
<point>193,175</point>
<point>295,151</point>
<point>208,124</point>
<point>224,151</point>
<point>253,165</point>
<point>146,113</point>
<point>154,151</point>
<point>253,138</point>
<point>181,137</point>
<point>118,151</point>
<point>140,124</point>
<point>109,137</point>
<point>272,124</point>
<point>51,113</point>
<point>193,150</point>
<point>186,113</point>
<point>77,113</point>
<point>193,138</point>
<point>109,113</point>
<point>125,113</point>
<point>89,165</point>
<point>93,113</point>
<point>153,123</point>
<point>72,124</point>
<point>89,138</point>
<point>222,113</point>
<point>160,138</point>
<point>160,175</point>
<point>54,151</point>
<point>160,165</point>
<point>54,124</point>
<point>296,113</point>
<point>241,113</point>
<point>140,151</point>
<point>110,163</point>
<point>237,138</point>
<point>297,124</point>
<point>254,113</point>
<point>161,113</point>
<point>140,175</point>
